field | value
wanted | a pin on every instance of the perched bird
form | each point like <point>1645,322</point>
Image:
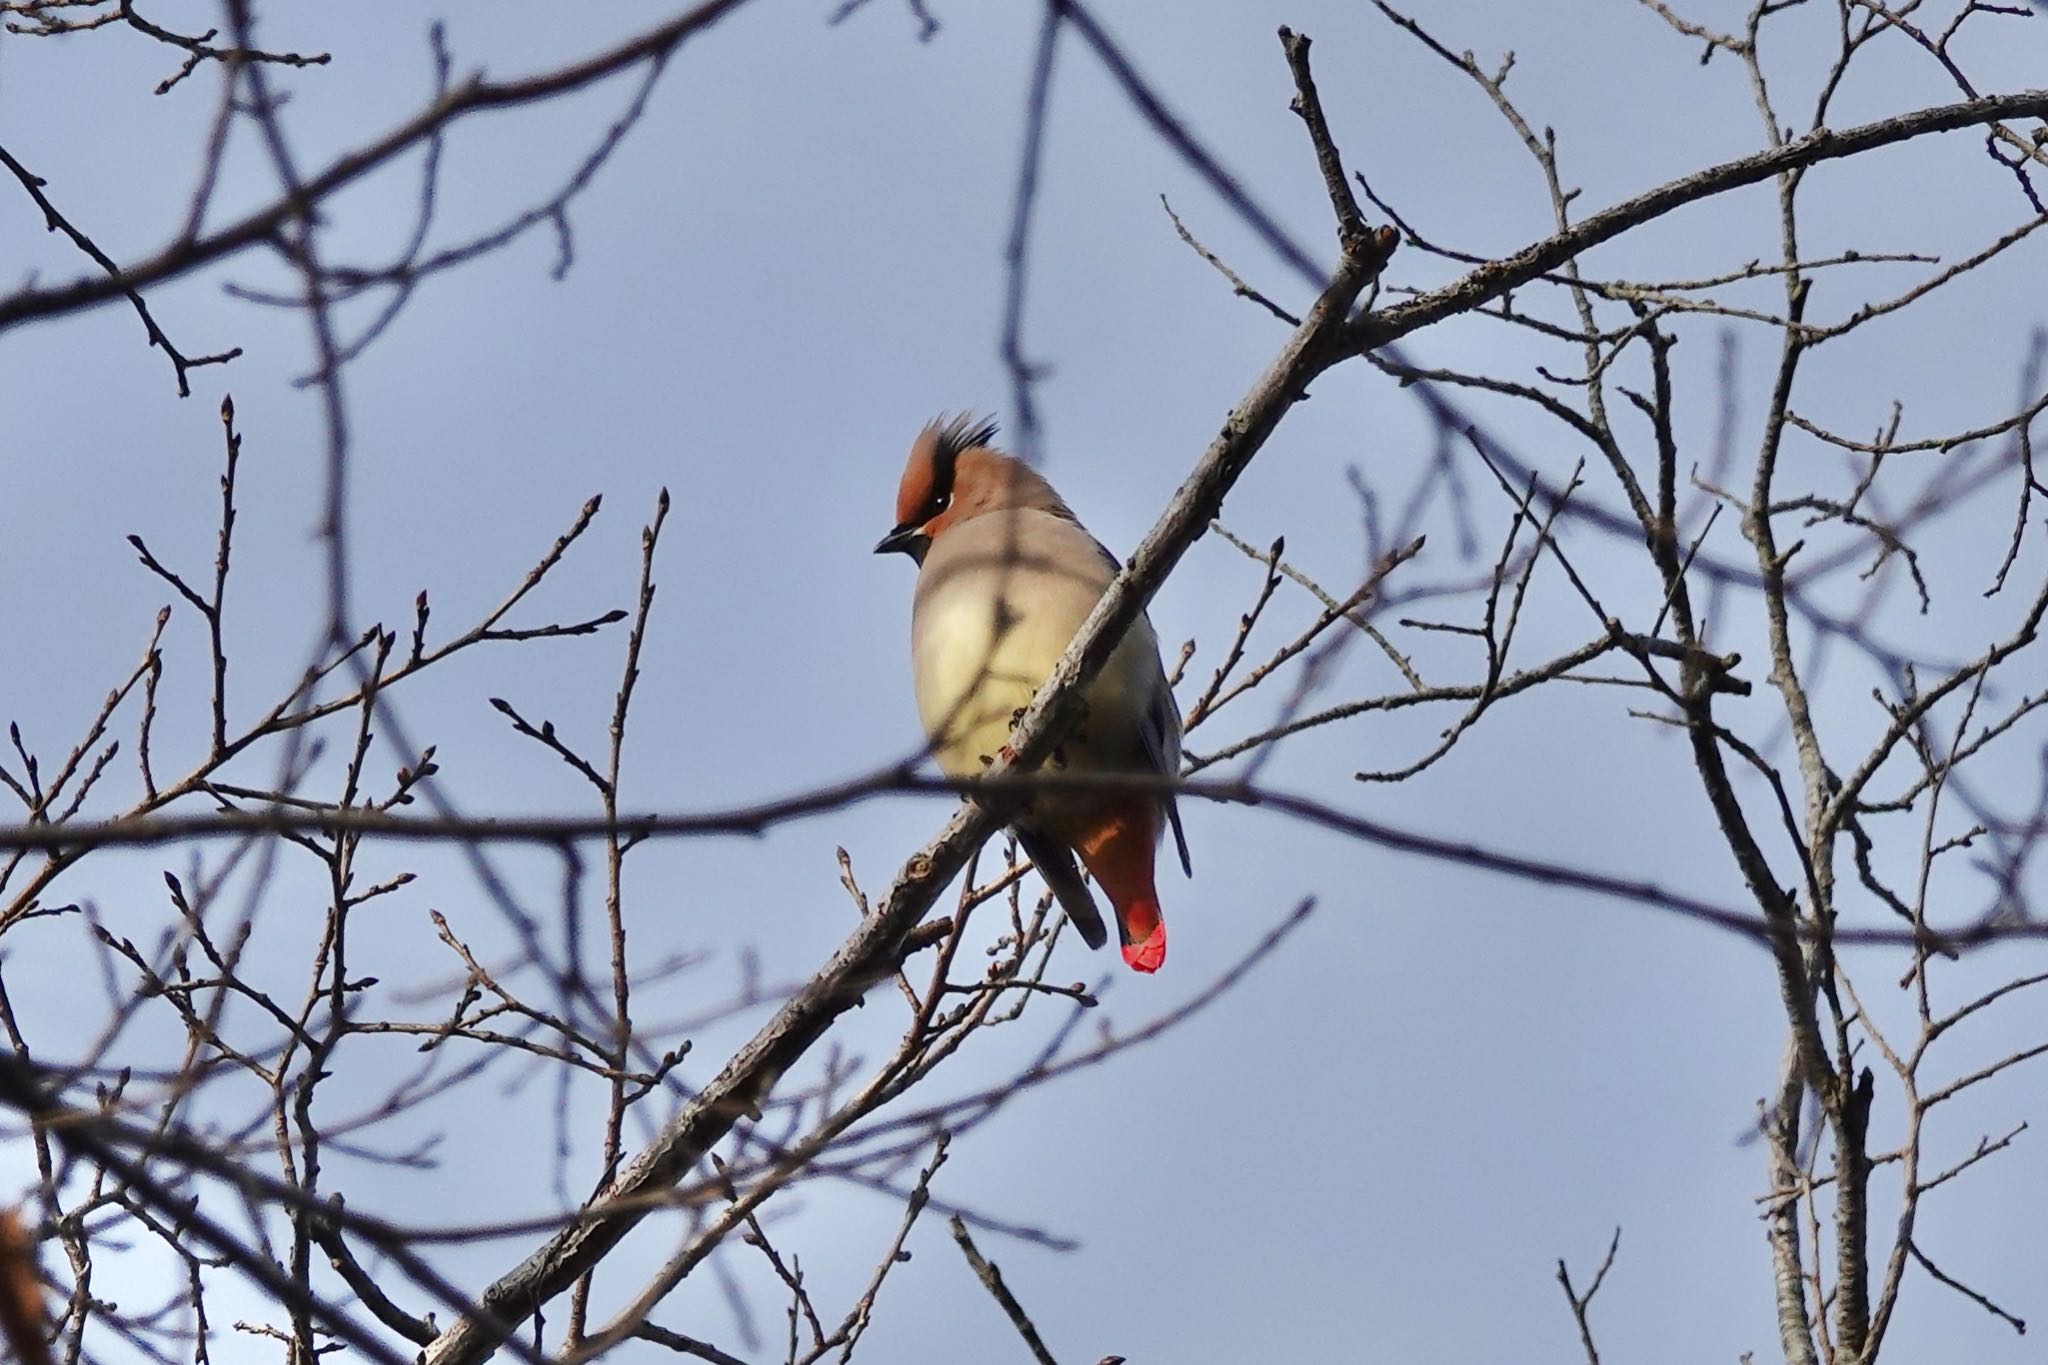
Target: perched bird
<point>1006,576</point>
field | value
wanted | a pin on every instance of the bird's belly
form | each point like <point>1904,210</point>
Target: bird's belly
<point>975,672</point>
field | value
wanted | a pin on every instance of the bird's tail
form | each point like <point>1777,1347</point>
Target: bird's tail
<point>1143,931</point>
<point>1119,854</point>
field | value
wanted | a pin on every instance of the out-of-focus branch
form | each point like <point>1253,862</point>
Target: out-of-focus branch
<point>1002,789</point>
<point>468,97</point>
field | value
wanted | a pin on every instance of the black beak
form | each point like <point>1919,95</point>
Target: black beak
<point>908,539</point>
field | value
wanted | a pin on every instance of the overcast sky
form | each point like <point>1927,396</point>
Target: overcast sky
<point>1380,1145</point>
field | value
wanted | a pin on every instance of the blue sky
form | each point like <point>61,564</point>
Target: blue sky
<point>1379,1146</point>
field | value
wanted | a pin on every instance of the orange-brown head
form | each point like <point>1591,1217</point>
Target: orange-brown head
<point>955,475</point>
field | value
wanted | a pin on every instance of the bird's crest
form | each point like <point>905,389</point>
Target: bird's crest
<point>952,433</point>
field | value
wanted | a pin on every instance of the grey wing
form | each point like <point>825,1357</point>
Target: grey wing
<point>1055,864</point>
<point>1160,736</point>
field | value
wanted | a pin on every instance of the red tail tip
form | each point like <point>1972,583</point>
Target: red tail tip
<point>1147,956</point>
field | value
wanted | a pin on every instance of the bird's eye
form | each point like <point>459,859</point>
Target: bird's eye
<point>941,503</point>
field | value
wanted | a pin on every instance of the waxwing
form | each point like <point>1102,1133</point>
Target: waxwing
<point>1006,575</point>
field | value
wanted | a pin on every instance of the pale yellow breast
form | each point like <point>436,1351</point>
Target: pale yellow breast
<point>998,601</point>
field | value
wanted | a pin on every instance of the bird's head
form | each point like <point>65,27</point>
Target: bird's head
<point>955,475</point>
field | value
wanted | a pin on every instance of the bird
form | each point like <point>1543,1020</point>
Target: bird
<point>1006,575</point>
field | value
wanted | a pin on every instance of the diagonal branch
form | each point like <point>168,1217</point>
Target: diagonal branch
<point>867,955</point>
<point>475,95</point>
<point>991,1278</point>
